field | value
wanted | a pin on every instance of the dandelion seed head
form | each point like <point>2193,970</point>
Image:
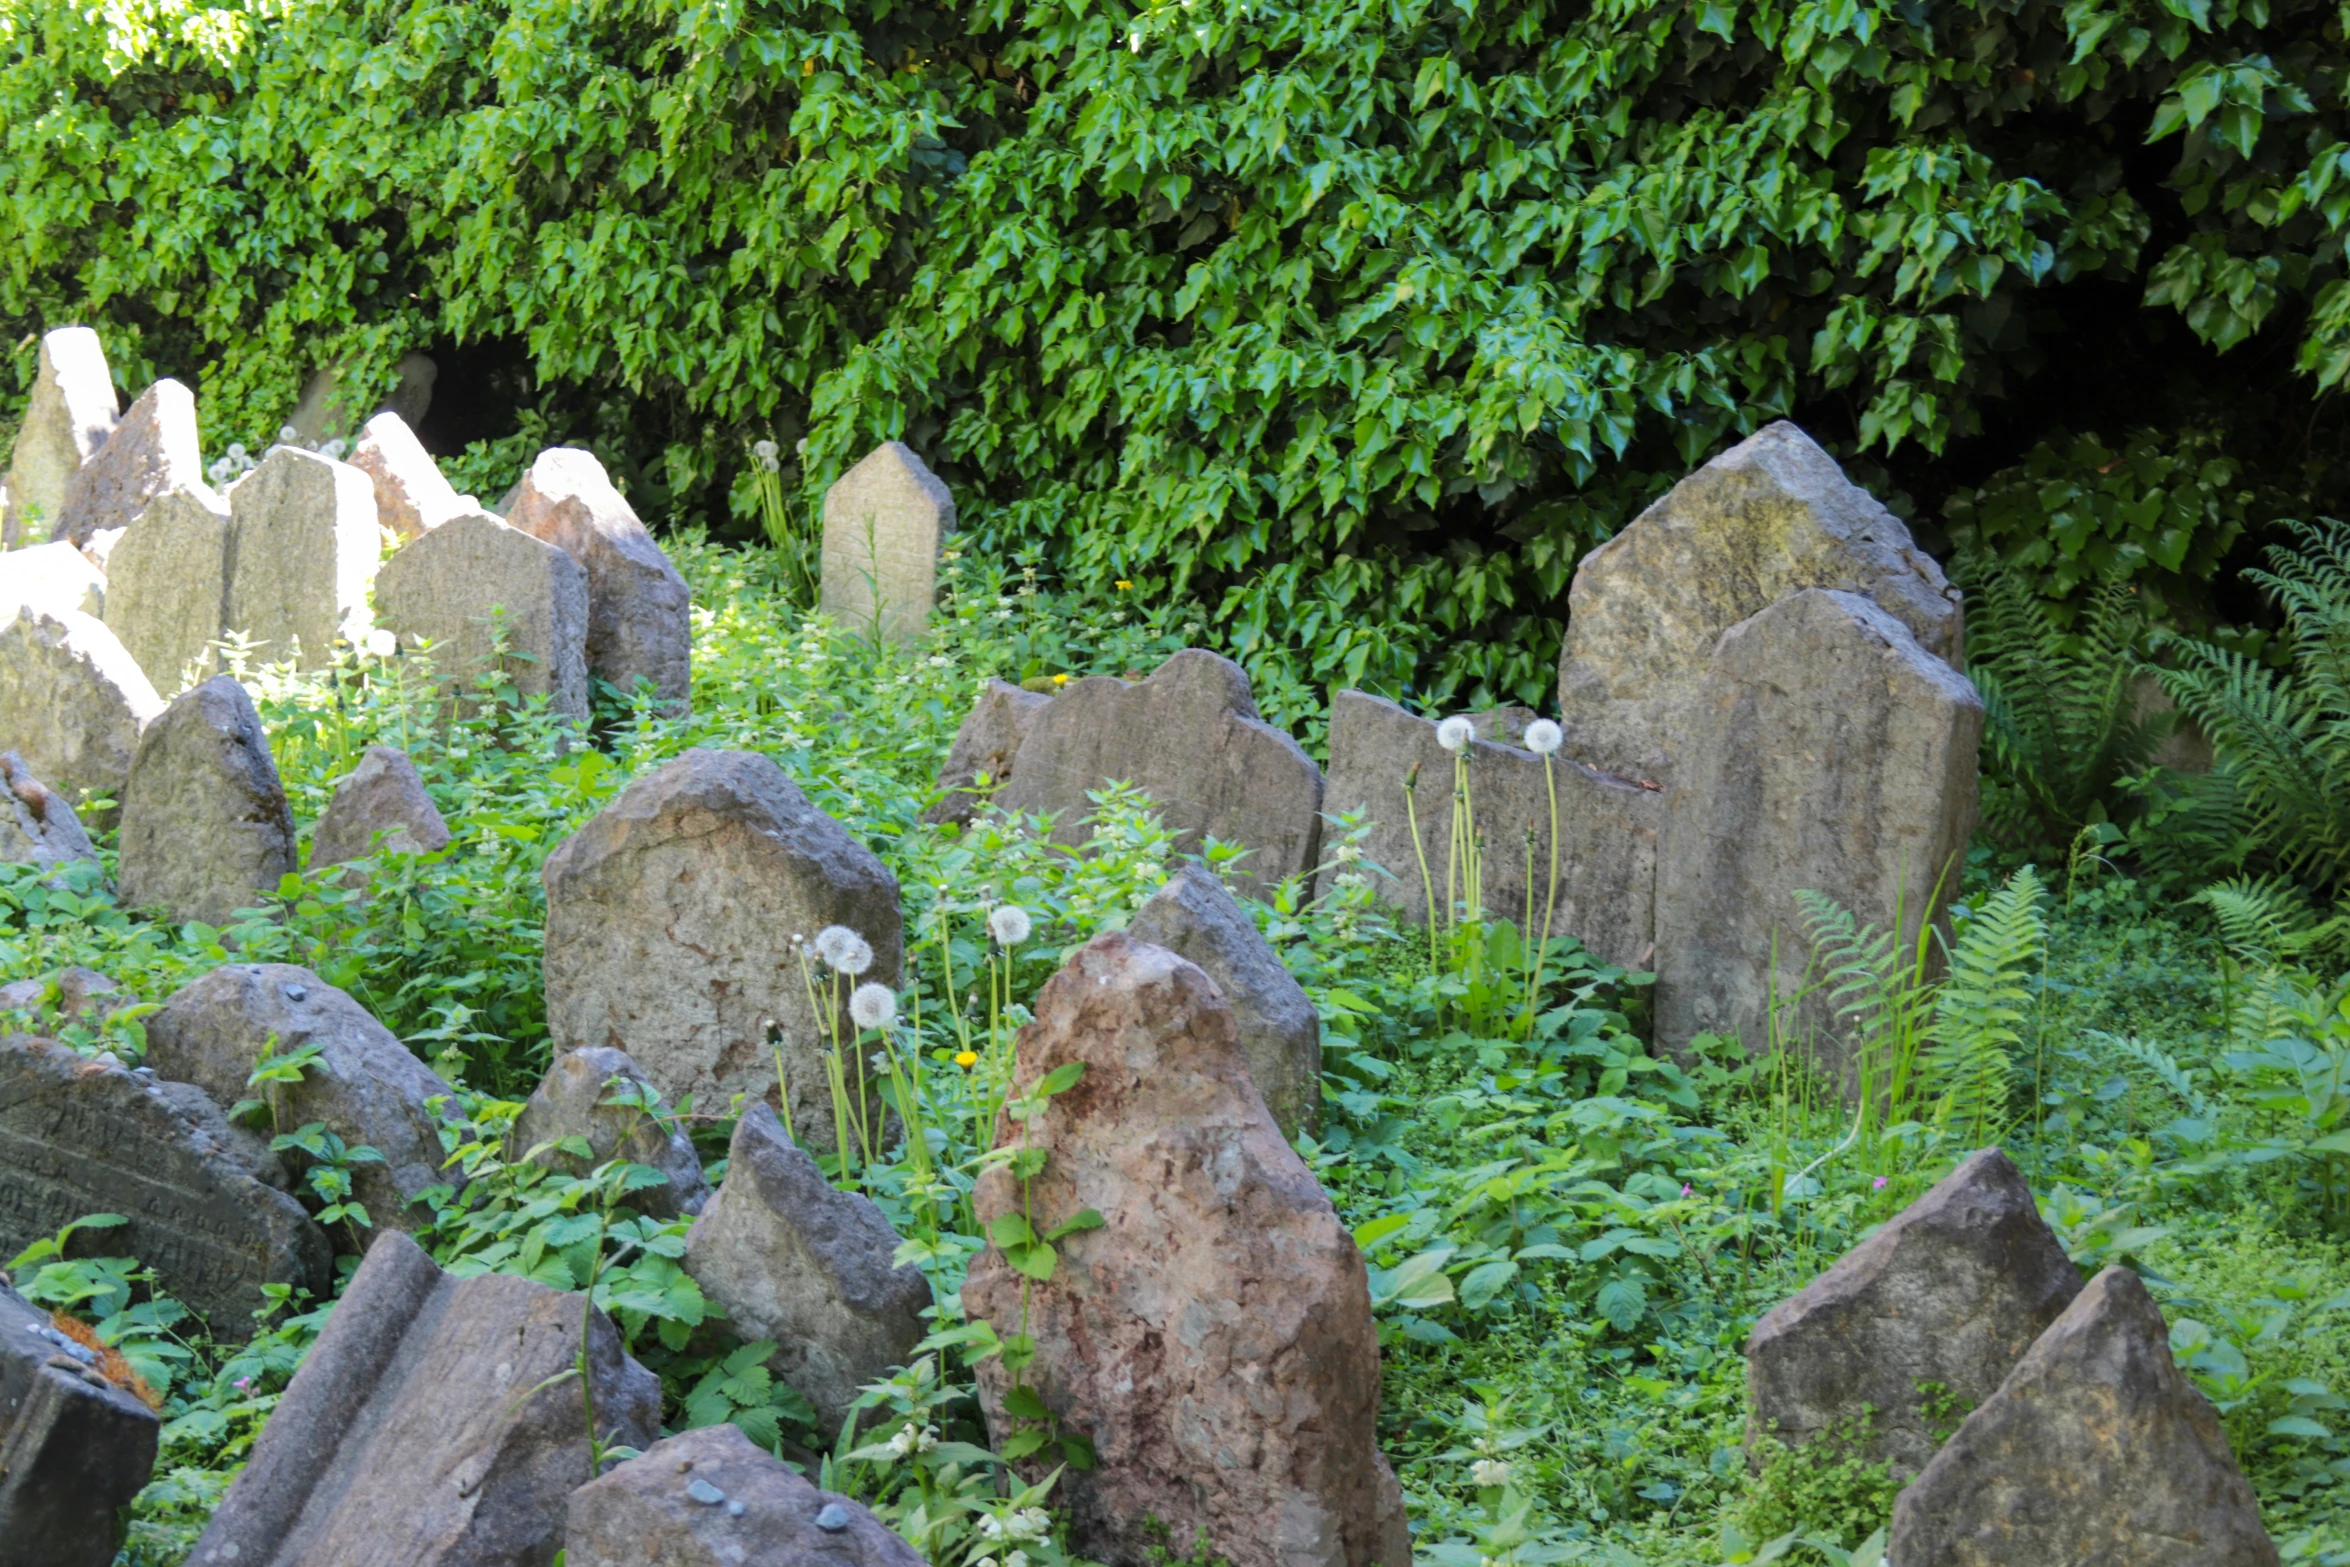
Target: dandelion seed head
<point>1543,737</point>
<point>764,450</point>
<point>1455,733</point>
<point>1009,925</point>
<point>873,1006</point>
<point>287,435</point>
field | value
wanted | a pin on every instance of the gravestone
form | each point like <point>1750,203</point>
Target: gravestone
<point>1766,519</point>
<point>50,576</point>
<point>154,448</point>
<point>1830,753</point>
<point>72,701</point>
<point>364,1085</point>
<point>885,521</point>
<point>1280,1032</point>
<point>1948,1295</point>
<point>379,807</point>
<point>72,411</point>
<point>411,497</point>
<point>984,748</point>
<point>2095,1449</point>
<point>434,1412</point>
<point>671,918</point>
<point>328,407</point>
<point>573,1100</point>
<point>206,1207</point>
<point>1190,738</point>
<point>640,621</point>
<point>1213,1338</point>
<point>71,995</point>
<point>37,827</point>
<point>302,556</point>
<point>473,581</point>
<point>205,826</point>
<point>74,1445</point>
<point>795,1259</point>
<point>1605,893</point>
<point>167,586</point>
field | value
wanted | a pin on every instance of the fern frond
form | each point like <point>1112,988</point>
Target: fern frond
<point>1983,1011</point>
<point>2163,1068</point>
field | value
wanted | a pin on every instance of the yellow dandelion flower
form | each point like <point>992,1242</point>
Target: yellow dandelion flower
<point>966,1058</point>
<point>1124,585</point>
<point>1060,680</point>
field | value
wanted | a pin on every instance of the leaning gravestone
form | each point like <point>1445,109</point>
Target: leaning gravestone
<point>1213,1338</point>
<point>205,1205</point>
<point>1190,738</point>
<point>302,555</point>
<point>984,748</point>
<point>153,449</point>
<point>205,826</point>
<point>575,1099</point>
<point>37,827</point>
<point>1280,1032</point>
<point>167,585</point>
<point>437,1413</point>
<point>72,412</point>
<point>640,621</point>
<point>1387,764</point>
<point>379,807</point>
<point>74,1446</point>
<point>364,1085</point>
<point>885,521</point>
<point>1947,1296</point>
<point>411,497</point>
<point>1829,753</point>
<point>1768,518</point>
<point>72,701</point>
<point>2095,1449</point>
<point>794,1259</point>
<point>472,584</point>
<point>671,918</point>
<point>50,576</point>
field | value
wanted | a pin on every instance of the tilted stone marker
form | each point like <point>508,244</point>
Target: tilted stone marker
<point>153,449</point>
<point>205,825</point>
<point>1607,829</point>
<point>167,585</point>
<point>885,521</point>
<point>411,496</point>
<point>984,748</point>
<point>794,1259</point>
<point>1768,518</point>
<point>575,1099</point>
<point>432,1424</point>
<point>365,1086</point>
<point>328,406</point>
<point>37,827</point>
<point>1830,753</point>
<point>640,620</point>
<point>1214,1337</point>
<point>1949,1294</point>
<point>302,556</point>
<point>670,918</point>
<point>1190,738</point>
<point>2095,1449</point>
<point>72,701</point>
<point>379,807</point>
<point>472,581</point>
<point>206,1206</point>
<point>50,576</point>
<point>72,412</point>
<point>74,1446</point>
<point>1280,1032</point>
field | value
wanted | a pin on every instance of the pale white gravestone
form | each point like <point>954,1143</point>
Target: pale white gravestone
<point>640,617</point>
<point>167,586</point>
<point>72,701</point>
<point>411,496</point>
<point>885,521</point>
<point>472,578</point>
<point>50,576</point>
<point>72,412</point>
<point>302,554</point>
<point>153,449</point>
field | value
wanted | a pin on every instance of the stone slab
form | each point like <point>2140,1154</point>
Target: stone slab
<point>473,582</point>
<point>72,702</point>
<point>885,522</point>
<point>302,556</point>
<point>984,747</point>
<point>574,1100</point>
<point>379,807</point>
<point>411,496</point>
<point>206,830</point>
<point>37,827</point>
<point>154,448</point>
<point>640,619</point>
<point>74,1446</point>
<point>167,586</point>
<point>52,576</point>
<point>72,411</point>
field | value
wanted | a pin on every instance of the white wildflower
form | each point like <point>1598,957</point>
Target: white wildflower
<point>1489,1471</point>
<point>1348,853</point>
<point>1029,1523</point>
<point>991,1526</point>
<point>1544,737</point>
<point>873,1006</point>
<point>1009,925</point>
<point>382,643</point>
<point>1455,733</point>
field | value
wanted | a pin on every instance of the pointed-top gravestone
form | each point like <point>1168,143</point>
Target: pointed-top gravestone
<point>153,448</point>
<point>50,576</point>
<point>72,412</point>
<point>302,555</point>
<point>588,1094</point>
<point>379,807</point>
<point>205,826</point>
<point>1768,518</point>
<point>37,827</point>
<point>72,701</point>
<point>491,599</point>
<point>640,623</point>
<point>984,748</point>
<point>167,585</point>
<point>885,521</point>
<point>411,497</point>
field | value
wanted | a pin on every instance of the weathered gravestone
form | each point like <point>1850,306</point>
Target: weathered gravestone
<point>1768,518</point>
<point>1607,829</point>
<point>74,1445</point>
<point>885,521</point>
<point>709,1498</point>
<point>364,1085</point>
<point>302,556</point>
<point>432,1425</point>
<point>1280,1032</point>
<point>167,585</point>
<point>2096,1449</point>
<point>37,827</point>
<point>794,1259</point>
<point>71,413</point>
<point>71,995</point>
<point>640,621</point>
<point>205,1203</point>
<point>153,449</point>
<point>411,497</point>
<point>53,577</point>
<point>1190,738</point>
<point>1828,753</point>
<point>1213,1339</point>
<point>330,405</point>
<point>379,807</point>
<point>580,1097</point>
<point>1931,1311</point>
<point>72,701</point>
<point>670,923</point>
<point>492,600</point>
<point>984,748</point>
<point>205,826</point>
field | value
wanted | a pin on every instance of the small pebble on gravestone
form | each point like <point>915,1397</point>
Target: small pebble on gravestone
<point>704,1492</point>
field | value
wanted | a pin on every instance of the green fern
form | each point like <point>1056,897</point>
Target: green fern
<point>1982,1011</point>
